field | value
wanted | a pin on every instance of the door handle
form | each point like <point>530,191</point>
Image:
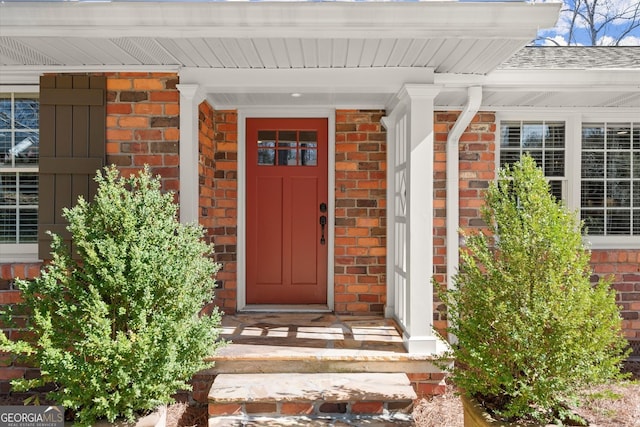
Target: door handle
<point>323,222</point>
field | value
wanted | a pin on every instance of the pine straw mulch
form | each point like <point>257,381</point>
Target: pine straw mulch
<point>184,415</point>
<point>614,405</point>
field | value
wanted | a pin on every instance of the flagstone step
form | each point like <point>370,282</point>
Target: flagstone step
<point>392,420</point>
<point>314,395</point>
<point>248,358</point>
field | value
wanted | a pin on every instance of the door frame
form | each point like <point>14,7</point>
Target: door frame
<point>284,112</point>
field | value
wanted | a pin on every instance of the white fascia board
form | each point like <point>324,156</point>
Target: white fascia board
<point>459,81</point>
<point>11,73</point>
<point>306,80</point>
<point>23,77</point>
<point>272,19</point>
<point>549,110</point>
<point>563,80</point>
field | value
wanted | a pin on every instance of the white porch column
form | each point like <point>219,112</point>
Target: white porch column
<point>190,99</point>
<point>411,224</point>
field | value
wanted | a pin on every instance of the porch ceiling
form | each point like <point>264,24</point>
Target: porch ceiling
<point>445,36</point>
<point>332,53</point>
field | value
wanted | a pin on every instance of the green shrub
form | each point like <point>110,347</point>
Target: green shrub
<point>119,330</point>
<point>531,327</point>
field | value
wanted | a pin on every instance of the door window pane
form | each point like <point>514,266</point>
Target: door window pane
<point>287,148</point>
<point>309,154</point>
<point>266,147</point>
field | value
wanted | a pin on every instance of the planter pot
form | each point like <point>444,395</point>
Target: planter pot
<point>476,416</point>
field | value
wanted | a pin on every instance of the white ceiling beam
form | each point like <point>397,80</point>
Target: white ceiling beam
<point>313,80</point>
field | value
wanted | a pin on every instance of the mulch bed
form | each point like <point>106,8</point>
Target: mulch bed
<point>615,405</point>
<point>609,406</point>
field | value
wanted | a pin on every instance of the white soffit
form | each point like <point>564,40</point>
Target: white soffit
<point>445,36</point>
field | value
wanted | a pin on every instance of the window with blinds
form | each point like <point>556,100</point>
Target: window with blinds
<point>610,178</point>
<point>19,155</point>
<point>544,141</point>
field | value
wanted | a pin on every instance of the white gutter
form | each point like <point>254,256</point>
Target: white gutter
<point>474,99</point>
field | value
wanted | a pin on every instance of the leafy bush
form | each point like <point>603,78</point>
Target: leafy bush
<point>119,330</point>
<point>531,327</point>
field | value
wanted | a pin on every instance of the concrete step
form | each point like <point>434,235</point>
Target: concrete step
<point>313,395</point>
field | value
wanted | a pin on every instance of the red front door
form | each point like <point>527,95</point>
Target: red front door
<point>286,204</point>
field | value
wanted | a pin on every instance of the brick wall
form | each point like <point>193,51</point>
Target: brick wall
<point>218,171</point>
<point>143,117</point>
<point>623,267</point>
<point>10,367</point>
<point>428,384</point>
<point>360,234</point>
<point>476,156</point>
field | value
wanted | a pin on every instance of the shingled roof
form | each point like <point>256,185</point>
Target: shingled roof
<point>574,57</point>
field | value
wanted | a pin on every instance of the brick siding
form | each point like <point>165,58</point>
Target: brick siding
<point>476,155</point>
<point>360,216</point>
<point>143,117</point>
<point>218,172</point>
<point>10,367</point>
<point>623,268</point>
<point>428,384</point>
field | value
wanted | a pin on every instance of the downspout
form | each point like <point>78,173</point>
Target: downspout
<point>474,99</point>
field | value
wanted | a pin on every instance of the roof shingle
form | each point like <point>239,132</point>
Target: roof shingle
<point>574,57</point>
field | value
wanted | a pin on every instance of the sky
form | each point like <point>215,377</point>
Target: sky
<point>614,21</point>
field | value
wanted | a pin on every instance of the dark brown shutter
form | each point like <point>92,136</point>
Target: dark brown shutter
<point>72,148</point>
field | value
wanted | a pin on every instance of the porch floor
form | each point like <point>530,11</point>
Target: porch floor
<point>314,330</point>
<point>315,342</point>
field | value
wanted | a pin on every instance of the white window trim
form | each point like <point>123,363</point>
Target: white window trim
<point>19,252</point>
<point>573,161</point>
